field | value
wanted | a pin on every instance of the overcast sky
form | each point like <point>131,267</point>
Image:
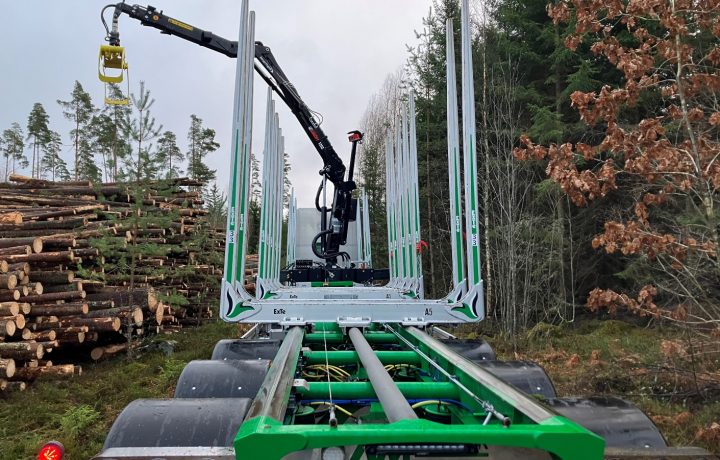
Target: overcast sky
<point>336,52</point>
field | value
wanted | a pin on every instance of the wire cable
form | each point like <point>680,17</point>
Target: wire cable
<point>339,408</point>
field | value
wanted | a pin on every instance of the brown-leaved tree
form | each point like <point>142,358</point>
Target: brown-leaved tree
<point>668,160</point>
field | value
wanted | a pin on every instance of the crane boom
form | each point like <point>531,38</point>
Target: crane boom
<point>331,237</point>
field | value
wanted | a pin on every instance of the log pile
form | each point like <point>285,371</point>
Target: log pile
<point>85,268</point>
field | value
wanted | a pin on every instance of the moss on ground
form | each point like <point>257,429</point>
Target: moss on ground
<point>79,411</point>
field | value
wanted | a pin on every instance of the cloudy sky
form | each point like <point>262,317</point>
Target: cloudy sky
<point>336,52</point>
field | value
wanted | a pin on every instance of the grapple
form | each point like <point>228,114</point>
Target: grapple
<point>113,70</point>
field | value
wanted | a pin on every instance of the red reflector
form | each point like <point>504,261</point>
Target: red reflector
<point>354,137</point>
<point>314,135</point>
<point>51,451</point>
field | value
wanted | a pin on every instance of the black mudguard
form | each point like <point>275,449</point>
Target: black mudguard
<point>246,349</point>
<point>473,349</point>
<point>222,379</point>
<point>619,422</point>
<point>527,376</point>
<point>178,423</point>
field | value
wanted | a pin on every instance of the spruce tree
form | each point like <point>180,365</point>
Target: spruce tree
<point>216,205</point>
<point>169,155</point>
<point>80,110</point>
<point>12,148</point>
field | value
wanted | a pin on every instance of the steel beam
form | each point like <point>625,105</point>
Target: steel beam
<point>393,403</point>
<point>272,397</point>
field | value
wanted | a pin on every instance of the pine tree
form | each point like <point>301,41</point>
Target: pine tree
<point>142,130</point>
<point>80,110</point>
<point>51,165</point>
<point>104,138</point>
<point>201,142</point>
<point>12,148</point>
<point>37,134</point>
<point>169,155</point>
<point>117,139</point>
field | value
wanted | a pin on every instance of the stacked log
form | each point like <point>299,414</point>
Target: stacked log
<point>61,291</point>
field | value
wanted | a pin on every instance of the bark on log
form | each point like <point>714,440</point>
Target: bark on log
<point>134,313</point>
<point>70,330</point>
<point>94,324</point>
<point>9,295</point>
<point>72,337</point>
<point>22,351</point>
<point>35,243</point>
<point>15,250</point>
<point>107,351</point>
<point>42,336</point>
<point>86,252</point>
<point>57,242</point>
<point>92,286</point>
<point>46,257</point>
<point>52,277</point>
<point>45,183</point>
<point>100,304</point>
<point>16,266</point>
<point>60,309</point>
<point>78,285</point>
<point>142,297</point>
<point>9,308</point>
<point>48,346</point>
<point>60,370</point>
<point>53,296</point>
<point>45,325</point>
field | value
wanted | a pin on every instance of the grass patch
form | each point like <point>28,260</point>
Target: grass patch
<point>79,412</point>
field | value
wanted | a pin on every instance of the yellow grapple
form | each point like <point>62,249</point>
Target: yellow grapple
<point>113,57</point>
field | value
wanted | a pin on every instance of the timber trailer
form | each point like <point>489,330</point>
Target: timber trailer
<point>336,366</point>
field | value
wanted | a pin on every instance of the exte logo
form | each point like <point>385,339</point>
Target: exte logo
<point>279,311</point>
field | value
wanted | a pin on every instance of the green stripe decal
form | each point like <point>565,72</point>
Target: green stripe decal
<point>231,216</point>
<point>240,268</point>
<point>458,221</point>
<point>473,220</point>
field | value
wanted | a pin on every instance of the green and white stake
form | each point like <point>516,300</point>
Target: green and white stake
<point>233,293</point>
<point>456,227</point>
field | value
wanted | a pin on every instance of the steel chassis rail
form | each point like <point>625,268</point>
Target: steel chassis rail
<point>267,434</point>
